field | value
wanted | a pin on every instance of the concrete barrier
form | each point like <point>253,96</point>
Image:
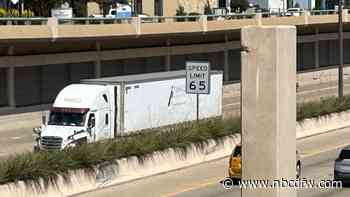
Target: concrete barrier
<point>328,123</point>
<point>131,168</point>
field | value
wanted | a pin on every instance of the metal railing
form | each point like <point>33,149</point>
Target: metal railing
<point>153,19</point>
<point>23,21</point>
<point>323,12</point>
<point>91,20</point>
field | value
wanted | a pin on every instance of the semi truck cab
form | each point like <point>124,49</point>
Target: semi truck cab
<point>80,114</point>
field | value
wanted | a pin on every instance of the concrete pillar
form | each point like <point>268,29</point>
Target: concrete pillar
<point>345,15</point>
<point>268,93</point>
<point>52,24</point>
<point>168,57</point>
<point>258,18</point>
<point>137,24</point>
<point>226,62</point>
<point>97,68</point>
<point>317,49</point>
<point>11,86</point>
<point>306,14</point>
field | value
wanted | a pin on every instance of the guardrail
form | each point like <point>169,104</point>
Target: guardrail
<point>155,19</point>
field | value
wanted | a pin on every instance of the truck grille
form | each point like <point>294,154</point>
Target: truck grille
<point>48,142</point>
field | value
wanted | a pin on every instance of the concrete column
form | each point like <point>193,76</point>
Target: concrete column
<point>11,86</point>
<point>226,62</point>
<point>168,57</point>
<point>137,24</point>
<point>345,15</point>
<point>97,68</point>
<point>258,18</point>
<point>317,49</point>
<point>268,93</point>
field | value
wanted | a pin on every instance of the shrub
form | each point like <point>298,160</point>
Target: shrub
<point>180,11</point>
<point>2,12</point>
<point>13,13</point>
<point>27,13</point>
<point>193,14</point>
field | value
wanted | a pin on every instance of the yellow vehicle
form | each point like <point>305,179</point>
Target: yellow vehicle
<point>234,170</point>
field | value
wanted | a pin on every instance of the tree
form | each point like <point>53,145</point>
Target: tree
<point>317,5</point>
<point>180,11</point>
<point>331,3</point>
<point>42,7</point>
<point>297,5</point>
<point>239,5</point>
<point>207,8</point>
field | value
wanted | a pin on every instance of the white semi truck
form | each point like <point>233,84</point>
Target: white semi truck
<point>106,108</point>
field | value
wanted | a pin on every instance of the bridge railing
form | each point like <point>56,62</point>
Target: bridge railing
<point>323,12</point>
<point>23,21</point>
<point>152,19</point>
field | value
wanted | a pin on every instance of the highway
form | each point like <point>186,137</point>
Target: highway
<point>18,128</point>
<point>318,154</point>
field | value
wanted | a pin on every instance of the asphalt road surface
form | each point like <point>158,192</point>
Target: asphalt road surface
<point>203,180</point>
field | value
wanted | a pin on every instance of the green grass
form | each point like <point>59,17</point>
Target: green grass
<point>323,107</point>
<point>29,167</point>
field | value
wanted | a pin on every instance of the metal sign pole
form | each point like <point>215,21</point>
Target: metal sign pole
<point>197,107</point>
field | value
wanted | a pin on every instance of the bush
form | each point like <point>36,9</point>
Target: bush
<point>13,13</point>
<point>193,14</point>
<point>325,106</point>
<point>180,11</point>
<point>2,12</point>
<point>27,13</point>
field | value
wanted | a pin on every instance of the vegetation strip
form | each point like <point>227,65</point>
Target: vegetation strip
<point>48,165</point>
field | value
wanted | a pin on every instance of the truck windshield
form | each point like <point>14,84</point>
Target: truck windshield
<point>67,119</point>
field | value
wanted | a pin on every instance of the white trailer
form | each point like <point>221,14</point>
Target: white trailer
<point>110,107</point>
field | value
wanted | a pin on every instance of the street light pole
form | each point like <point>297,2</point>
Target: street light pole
<point>340,35</point>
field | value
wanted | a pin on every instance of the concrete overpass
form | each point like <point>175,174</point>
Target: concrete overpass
<point>40,56</point>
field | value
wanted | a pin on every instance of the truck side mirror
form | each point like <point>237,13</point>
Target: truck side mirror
<point>43,119</point>
<point>91,122</point>
<point>37,131</point>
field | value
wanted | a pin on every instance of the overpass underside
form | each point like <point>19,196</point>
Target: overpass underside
<point>32,71</point>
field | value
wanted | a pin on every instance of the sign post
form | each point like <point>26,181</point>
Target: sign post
<point>197,79</point>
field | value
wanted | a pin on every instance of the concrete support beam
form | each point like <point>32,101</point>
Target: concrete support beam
<point>268,107</point>
<point>11,86</point>
<point>97,68</point>
<point>317,49</point>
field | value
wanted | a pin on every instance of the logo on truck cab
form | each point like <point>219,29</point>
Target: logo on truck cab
<point>72,100</point>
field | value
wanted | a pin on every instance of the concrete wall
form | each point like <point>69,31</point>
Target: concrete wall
<point>40,84</point>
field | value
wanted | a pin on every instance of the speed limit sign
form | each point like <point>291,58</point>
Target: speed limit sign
<point>197,77</point>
